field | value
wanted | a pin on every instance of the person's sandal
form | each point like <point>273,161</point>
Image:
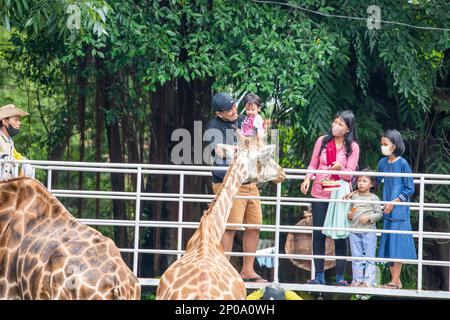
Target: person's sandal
<point>355,284</point>
<point>313,282</point>
<point>257,279</point>
<point>343,283</point>
<point>391,286</point>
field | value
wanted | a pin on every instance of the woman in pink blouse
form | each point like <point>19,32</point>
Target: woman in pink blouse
<point>339,144</point>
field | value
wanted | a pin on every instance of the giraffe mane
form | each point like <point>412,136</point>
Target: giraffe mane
<point>12,180</point>
<point>229,172</point>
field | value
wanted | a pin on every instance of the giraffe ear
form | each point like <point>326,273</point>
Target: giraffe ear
<point>267,152</point>
<point>227,150</point>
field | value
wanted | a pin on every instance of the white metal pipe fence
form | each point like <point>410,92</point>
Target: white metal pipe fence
<point>278,201</point>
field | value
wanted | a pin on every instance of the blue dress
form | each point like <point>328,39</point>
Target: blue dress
<point>398,246</point>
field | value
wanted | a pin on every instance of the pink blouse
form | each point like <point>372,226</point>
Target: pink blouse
<point>320,163</point>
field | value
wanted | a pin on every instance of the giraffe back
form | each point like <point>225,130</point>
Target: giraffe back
<point>45,253</point>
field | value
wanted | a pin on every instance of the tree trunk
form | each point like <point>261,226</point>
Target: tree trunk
<point>99,99</point>
<point>115,156</point>
<point>81,108</point>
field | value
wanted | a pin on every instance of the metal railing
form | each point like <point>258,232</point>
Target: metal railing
<point>278,201</point>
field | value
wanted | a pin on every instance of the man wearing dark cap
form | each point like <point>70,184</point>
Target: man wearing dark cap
<point>221,129</point>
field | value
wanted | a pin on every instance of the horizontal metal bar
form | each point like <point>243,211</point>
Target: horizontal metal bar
<point>211,168</point>
<point>335,289</point>
<point>262,227</point>
<point>287,200</point>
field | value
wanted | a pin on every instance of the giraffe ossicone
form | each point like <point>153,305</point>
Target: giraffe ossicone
<point>204,272</point>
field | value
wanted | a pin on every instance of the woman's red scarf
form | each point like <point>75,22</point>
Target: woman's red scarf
<point>331,151</point>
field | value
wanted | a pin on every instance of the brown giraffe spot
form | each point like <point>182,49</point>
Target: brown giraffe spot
<point>88,233</point>
<point>13,293</point>
<point>109,267</point>
<point>56,211</point>
<point>223,286</point>
<point>49,249</point>
<point>92,277</point>
<point>73,224</point>
<point>121,273</point>
<point>58,223</point>
<point>35,280</point>
<point>112,249</point>
<point>37,246</point>
<point>77,247</point>
<point>58,278</point>
<point>105,283</point>
<point>86,292</point>
<point>23,286</point>
<point>14,232</point>
<point>45,287</point>
<point>11,271</point>
<point>29,263</point>
<point>3,260</point>
<point>2,289</point>
<point>94,262</point>
<point>56,260</point>
<point>214,292</point>
<point>5,197</point>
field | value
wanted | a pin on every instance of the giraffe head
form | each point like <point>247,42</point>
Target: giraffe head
<point>256,159</point>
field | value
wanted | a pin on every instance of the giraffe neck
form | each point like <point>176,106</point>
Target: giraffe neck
<point>213,221</point>
<point>224,199</point>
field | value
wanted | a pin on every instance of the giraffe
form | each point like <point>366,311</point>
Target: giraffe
<point>45,253</point>
<point>204,272</point>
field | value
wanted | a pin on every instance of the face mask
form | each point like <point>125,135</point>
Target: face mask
<point>12,131</point>
<point>385,150</point>
<point>337,132</point>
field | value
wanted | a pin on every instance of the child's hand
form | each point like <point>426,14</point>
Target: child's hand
<point>389,207</point>
<point>348,196</point>
<point>364,219</point>
<point>351,214</point>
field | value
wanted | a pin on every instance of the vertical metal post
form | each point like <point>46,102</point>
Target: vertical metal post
<point>313,266</point>
<point>15,172</point>
<point>277,233</point>
<point>137,217</point>
<point>180,215</point>
<point>49,179</point>
<point>420,251</point>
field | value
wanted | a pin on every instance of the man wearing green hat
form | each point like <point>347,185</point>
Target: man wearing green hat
<point>9,127</point>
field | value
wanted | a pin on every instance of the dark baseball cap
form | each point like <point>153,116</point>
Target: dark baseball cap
<point>222,102</point>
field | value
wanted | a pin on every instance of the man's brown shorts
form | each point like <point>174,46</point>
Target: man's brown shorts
<point>247,211</point>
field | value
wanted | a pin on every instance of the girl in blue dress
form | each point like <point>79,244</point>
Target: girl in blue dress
<point>395,217</point>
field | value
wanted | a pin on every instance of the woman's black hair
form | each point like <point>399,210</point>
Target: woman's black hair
<point>396,138</point>
<point>252,99</point>
<point>349,118</point>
